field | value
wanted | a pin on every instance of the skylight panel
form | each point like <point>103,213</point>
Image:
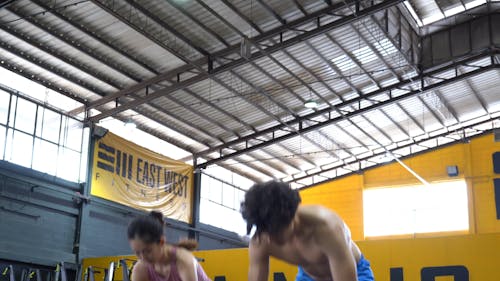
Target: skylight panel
<point>364,55</point>
<point>343,63</point>
<point>385,47</point>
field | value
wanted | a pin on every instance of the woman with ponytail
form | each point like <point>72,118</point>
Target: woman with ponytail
<point>158,260</point>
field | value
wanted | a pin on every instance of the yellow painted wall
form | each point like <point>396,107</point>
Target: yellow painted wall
<point>474,161</point>
<point>231,263</point>
<point>480,254</point>
<point>478,251</point>
<point>345,196</point>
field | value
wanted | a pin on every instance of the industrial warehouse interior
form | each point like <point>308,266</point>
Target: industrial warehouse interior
<point>382,113</point>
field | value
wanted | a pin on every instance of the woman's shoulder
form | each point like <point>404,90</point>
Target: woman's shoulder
<point>140,268</point>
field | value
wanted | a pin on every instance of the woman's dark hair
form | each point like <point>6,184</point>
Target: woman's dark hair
<point>149,229</point>
<point>270,206</point>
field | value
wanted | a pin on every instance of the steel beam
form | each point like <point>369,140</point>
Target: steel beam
<point>413,143</point>
<point>384,62</point>
<point>6,3</point>
<point>288,135</point>
<point>86,50</point>
<point>232,90</point>
<point>56,54</point>
<point>353,101</point>
<point>233,64</point>
<point>163,24</point>
<point>94,35</point>
<point>274,14</point>
<point>199,23</point>
<point>278,18</point>
<point>230,50</point>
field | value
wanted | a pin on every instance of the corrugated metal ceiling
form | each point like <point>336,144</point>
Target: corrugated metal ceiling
<point>96,48</point>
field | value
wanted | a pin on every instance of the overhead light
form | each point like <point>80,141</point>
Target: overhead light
<point>130,124</point>
<point>310,104</point>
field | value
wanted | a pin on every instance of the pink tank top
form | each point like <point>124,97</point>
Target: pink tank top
<point>174,272</point>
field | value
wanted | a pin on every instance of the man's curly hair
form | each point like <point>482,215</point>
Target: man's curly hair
<point>270,206</point>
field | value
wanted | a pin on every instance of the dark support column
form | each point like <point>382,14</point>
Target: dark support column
<point>83,215</point>
<point>196,199</point>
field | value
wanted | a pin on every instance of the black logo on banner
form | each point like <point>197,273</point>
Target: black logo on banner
<point>147,174</point>
<point>106,162</point>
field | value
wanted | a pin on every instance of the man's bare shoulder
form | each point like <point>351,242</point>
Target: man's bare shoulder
<point>259,242</point>
<point>319,215</point>
<point>259,246</point>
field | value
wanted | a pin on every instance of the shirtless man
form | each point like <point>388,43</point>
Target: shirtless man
<point>312,237</point>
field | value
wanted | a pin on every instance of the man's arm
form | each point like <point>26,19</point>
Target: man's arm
<point>259,262</point>
<point>332,238</point>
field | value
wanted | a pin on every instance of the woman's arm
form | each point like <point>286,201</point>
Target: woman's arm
<point>140,272</point>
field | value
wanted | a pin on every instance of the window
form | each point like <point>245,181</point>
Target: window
<point>439,207</point>
<point>19,148</point>
<point>44,150</point>
<point>25,116</point>
<point>2,141</point>
<point>48,125</point>
<point>32,121</point>
<point>219,199</point>
<point>41,138</point>
<point>4,106</point>
<point>68,166</point>
<point>438,14</point>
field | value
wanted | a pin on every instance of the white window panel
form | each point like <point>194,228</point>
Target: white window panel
<point>440,207</point>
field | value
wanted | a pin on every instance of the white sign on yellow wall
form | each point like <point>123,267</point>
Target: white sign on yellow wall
<point>129,174</point>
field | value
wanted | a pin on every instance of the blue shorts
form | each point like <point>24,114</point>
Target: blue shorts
<point>363,268</point>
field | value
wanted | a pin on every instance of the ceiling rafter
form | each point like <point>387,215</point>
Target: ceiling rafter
<point>95,36</point>
<point>271,83</point>
<point>389,68</point>
<point>233,64</point>
<point>281,20</point>
<point>425,88</point>
<point>87,86</point>
<point>274,14</point>
<point>293,75</point>
<point>245,124</point>
<point>407,145</point>
<point>58,55</point>
<point>178,101</point>
<point>250,22</point>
